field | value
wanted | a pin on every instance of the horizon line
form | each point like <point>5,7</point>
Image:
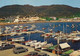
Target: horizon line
<point>39,5</point>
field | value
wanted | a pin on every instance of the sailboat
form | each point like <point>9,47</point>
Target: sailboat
<point>72,26</point>
<point>54,26</point>
<point>32,27</point>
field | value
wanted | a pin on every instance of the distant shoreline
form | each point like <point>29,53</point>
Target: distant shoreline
<point>34,22</point>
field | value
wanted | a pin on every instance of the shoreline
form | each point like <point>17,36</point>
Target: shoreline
<point>13,23</point>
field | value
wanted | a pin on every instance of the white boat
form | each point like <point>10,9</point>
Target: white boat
<point>76,39</point>
<point>47,34</point>
<point>75,53</point>
<point>69,38</point>
<point>15,26</point>
<point>46,46</point>
<point>19,33</point>
<point>21,26</point>
<point>40,44</point>
<point>0,32</point>
<point>36,43</point>
<point>32,27</point>
<point>7,28</point>
<point>30,42</point>
<point>13,33</point>
<point>43,43</point>
<point>20,39</point>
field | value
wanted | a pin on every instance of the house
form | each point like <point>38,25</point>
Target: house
<point>34,18</point>
<point>62,48</point>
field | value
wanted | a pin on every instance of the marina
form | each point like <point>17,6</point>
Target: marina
<point>44,37</point>
<point>39,28</point>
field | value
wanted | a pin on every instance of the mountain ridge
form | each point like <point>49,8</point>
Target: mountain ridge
<point>41,11</point>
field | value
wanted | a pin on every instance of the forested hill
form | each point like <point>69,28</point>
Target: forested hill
<point>43,11</point>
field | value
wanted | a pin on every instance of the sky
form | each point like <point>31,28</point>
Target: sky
<point>73,3</point>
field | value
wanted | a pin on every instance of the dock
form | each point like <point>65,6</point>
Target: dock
<point>9,51</point>
<point>28,32</point>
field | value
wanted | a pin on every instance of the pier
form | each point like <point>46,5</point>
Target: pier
<point>28,32</point>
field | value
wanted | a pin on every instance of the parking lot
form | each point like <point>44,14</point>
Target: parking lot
<point>9,52</point>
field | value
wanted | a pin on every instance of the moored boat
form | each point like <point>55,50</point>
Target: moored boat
<point>76,39</point>
<point>20,39</point>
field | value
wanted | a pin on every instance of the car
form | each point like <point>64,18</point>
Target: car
<point>5,46</point>
<point>42,54</point>
<point>17,50</point>
<point>33,53</point>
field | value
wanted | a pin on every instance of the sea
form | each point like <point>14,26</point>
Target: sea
<point>65,27</point>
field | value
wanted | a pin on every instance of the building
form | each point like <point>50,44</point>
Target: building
<point>54,18</point>
<point>34,18</point>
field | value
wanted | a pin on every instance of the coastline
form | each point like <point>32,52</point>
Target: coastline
<point>13,23</point>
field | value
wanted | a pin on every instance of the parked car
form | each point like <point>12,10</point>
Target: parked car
<point>5,46</point>
<point>33,53</point>
<point>17,50</point>
<point>43,54</point>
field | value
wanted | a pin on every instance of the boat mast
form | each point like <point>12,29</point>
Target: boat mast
<point>58,45</point>
<point>29,36</point>
<point>66,28</point>
<point>63,28</point>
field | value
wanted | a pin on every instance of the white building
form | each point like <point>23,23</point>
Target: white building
<point>34,18</point>
<point>16,20</point>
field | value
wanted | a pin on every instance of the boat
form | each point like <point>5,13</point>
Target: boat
<point>32,27</point>
<point>72,26</point>
<point>63,47</point>
<point>66,53</point>
<point>41,44</point>
<point>35,44</point>
<point>30,42</point>
<point>19,33</point>
<point>75,53</point>
<point>15,27</point>
<point>51,48</point>
<point>46,46</point>
<point>24,30</point>
<point>20,39</point>
<point>47,34</point>
<point>7,27</point>
<point>76,39</point>
<point>13,33</point>
<point>0,32</point>
<point>21,26</point>
<point>43,28</point>
<point>69,39</point>
<point>67,25</point>
<point>51,31</point>
<point>59,24</point>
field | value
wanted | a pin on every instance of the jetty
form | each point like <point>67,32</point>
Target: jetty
<point>28,32</point>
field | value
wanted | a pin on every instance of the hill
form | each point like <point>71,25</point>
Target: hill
<point>42,11</point>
